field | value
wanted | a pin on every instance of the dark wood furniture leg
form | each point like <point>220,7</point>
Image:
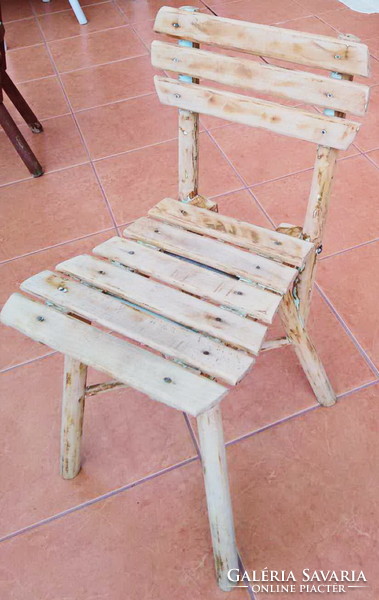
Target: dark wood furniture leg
<point>6,121</point>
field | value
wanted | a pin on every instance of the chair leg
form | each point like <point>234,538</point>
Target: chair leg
<point>218,495</point>
<point>78,12</point>
<point>74,388</point>
<point>19,142</point>
<point>306,352</point>
<point>20,103</point>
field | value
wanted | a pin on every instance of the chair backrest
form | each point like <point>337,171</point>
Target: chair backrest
<point>336,94</point>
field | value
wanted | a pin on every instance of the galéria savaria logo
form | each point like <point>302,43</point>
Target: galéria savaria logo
<point>308,582</point>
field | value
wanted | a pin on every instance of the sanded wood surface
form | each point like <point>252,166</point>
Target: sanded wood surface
<point>295,85</point>
<point>313,50</point>
<point>217,287</point>
<point>238,108</point>
<point>169,302</point>
<point>224,257</point>
<point>315,221</point>
<point>220,513</point>
<point>306,352</point>
<point>172,340</point>
<point>74,391</point>
<point>259,239</point>
<point>166,382</point>
<point>188,163</point>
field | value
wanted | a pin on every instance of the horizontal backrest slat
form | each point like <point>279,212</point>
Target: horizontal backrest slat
<point>328,131</point>
<point>341,95</point>
<point>343,56</point>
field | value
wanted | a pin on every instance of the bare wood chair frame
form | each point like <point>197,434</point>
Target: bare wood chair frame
<point>253,271</point>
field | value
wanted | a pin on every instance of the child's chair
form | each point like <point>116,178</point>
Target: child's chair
<point>198,288</point>
<point>79,13</point>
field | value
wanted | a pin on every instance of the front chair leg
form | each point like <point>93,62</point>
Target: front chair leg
<point>74,389</point>
<point>219,503</point>
<point>306,352</point>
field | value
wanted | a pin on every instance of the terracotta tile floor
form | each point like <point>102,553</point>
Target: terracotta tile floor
<point>133,523</point>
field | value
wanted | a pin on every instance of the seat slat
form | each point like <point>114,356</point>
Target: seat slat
<point>263,241</point>
<point>220,288</point>
<point>166,382</point>
<point>198,351</point>
<point>327,92</point>
<point>308,49</point>
<point>213,253</point>
<point>333,132</point>
<point>168,302</point>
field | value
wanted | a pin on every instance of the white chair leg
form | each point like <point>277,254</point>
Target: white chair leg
<point>78,12</point>
<point>219,503</point>
<point>74,388</point>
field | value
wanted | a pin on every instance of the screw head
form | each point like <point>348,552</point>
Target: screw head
<point>238,292</point>
<point>218,319</point>
<point>176,25</point>
<point>156,230</point>
<point>177,96</point>
<point>337,56</point>
<point>323,131</point>
<point>329,95</point>
<point>39,318</point>
<point>131,252</point>
<point>206,352</point>
<point>62,289</point>
<point>167,379</point>
<point>101,272</point>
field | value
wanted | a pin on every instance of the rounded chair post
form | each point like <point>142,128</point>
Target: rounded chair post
<point>74,389</point>
<point>219,503</point>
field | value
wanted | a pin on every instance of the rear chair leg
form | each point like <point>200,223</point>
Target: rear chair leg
<point>220,512</point>
<point>306,352</point>
<point>74,388</point>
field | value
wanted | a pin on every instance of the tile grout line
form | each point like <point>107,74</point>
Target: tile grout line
<point>28,362</point>
<point>347,329</point>
<point>100,498</point>
<point>301,412</point>
<point>81,110</point>
<point>242,568</point>
<point>58,170</point>
<point>88,235</point>
<point>86,68</point>
<point>236,172</point>
<point>120,10</point>
<point>110,211</point>
<point>67,10</point>
<point>192,434</point>
<point>344,250</point>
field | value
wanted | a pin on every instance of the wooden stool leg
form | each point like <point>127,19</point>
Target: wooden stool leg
<point>218,495</point>
<point>306,352</point>
<point>20,103</point>
<point>19,142</point>
<point>74,387</point>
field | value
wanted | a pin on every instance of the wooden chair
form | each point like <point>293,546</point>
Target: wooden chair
<point>198,288</point>
<point>7,123</point>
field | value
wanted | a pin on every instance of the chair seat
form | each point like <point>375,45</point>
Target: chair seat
<point>191,290</point>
